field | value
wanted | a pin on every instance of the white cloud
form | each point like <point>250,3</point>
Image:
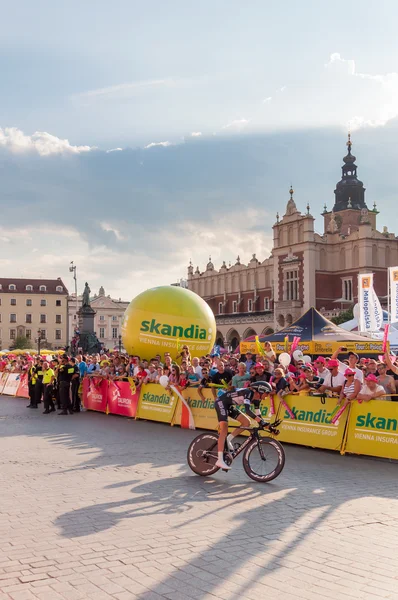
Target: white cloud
<point>153,144</point>
<point>268,99</point>
<point>377,93</point>
<point>41,142</point>
<point>196,133</point>
<point>116,232</point>
<point>114,150</point>
<point>237,124</point>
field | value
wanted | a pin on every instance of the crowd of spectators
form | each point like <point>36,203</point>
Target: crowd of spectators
<point>350,377</point>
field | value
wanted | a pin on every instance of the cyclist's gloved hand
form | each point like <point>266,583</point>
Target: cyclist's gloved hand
<point>263,423</point>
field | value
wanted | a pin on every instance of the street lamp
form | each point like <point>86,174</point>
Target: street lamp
<point>120,343</point>
<point>38,341</point>
<point>72,269</point>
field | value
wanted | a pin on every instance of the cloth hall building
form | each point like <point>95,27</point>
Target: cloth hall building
<point>304,268</point>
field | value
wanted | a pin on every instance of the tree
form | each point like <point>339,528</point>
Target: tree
<point>22,343</point>
<point>345,315</point>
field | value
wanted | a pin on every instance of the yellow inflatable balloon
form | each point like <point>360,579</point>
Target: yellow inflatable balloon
<point>165,318</point>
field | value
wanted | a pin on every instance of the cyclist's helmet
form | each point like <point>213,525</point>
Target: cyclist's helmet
<point>262,387</point>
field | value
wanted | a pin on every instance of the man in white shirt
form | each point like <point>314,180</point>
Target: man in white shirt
<point>334,380</point>
<point>196,366</point>
<point>352,363</point>
<point>371,390</point>
<point>320,363</point>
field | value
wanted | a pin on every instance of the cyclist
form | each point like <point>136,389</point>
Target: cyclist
<point>226,406</point>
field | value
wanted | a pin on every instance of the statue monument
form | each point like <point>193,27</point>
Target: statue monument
<point>88,340</point>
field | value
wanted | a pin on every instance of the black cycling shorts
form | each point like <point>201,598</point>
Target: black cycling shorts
<point>225,408</point>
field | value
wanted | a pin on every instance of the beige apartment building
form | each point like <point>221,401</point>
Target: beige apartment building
<point>33,308</point>
<point>108,318</point>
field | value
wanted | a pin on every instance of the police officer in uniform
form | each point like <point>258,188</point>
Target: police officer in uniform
<point>65,374</point>
<point>32,384</point>
<point>39,381</point>
<point>75,386</point>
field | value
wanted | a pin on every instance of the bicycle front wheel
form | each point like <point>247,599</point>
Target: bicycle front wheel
<point>264,459</point>
<point>202,454</point>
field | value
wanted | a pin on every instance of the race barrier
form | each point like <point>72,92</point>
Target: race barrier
<point>156,404</point>
<point>11,384</point>
<point>312,423</point>
<point>373,429</point>
<point>367,428</point>
<point>122,398</point>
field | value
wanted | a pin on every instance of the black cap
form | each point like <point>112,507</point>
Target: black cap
<point>353,354</point>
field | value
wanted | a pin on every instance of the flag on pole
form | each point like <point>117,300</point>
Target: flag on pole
<point>370,312</point>
<point>393,271</point>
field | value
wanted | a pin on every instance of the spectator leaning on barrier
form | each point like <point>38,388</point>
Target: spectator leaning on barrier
<point>334,380</point>
<point>371,390</point>
<point>386,381</point>
<point>352,386</point>
<point>241,377</point>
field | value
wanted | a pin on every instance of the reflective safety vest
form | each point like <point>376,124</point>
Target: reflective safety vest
<point>33,377</point>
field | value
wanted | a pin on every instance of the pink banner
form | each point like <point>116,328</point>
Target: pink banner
<point>95,393</point>
<point>23,388</point>
<point>122,398</point>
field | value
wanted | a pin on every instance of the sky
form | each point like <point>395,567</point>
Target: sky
<point>135,136</point>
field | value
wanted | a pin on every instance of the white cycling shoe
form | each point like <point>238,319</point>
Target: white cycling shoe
<point>221,465</point>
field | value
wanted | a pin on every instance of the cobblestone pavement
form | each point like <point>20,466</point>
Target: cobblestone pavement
<point>102,507</point>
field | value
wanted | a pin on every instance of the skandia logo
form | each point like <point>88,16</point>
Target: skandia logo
<point>155,399</point>
<point>193,332</point>
<point>321,416</point>
<point>369,421</point>
<point>193,403</point>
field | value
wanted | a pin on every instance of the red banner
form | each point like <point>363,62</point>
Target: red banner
<point>95,393</point>
<point>23,388</point>
<point>121,399</point>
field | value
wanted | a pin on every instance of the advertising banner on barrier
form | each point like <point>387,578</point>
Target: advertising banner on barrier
<point>156,404</point>
<point>312,426</point>
<point>373,429</point>
<point>122,398</point>
<point>204,413</point>
<point>11,385</point>
<point>3,379</point>
<point>95,393</point>
<point>23,387</point>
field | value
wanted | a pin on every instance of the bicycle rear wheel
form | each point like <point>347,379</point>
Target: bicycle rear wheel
<point>264,459</point>
<point>202,454</point>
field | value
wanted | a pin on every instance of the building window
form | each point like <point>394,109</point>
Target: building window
<point>28,333</point>
<point>59,288</point>
<point>291,285</point>
<point>114,333</point>
<point>43,319</point>
<point>12,288</point>
<point>29,288</point>
<point>58,318</point>
<point>58,334</point>
<point>13,318</point>
<point>74,317</point>
<point>43,302</point>
<point>266,303</point>
<point>28,318</point>
<point>42,334</point>
<point>102,318</point>
<point>42,288</point>
<point>114,318</point>
<point>346,289</point>
<point>102,333</point>
<point>234,306</point>
<point>220,308</point>
<point>250,305</point>
<point>58,303</point>
<point>28,302</point>
<point>13,334</point>
<point>13,302</point>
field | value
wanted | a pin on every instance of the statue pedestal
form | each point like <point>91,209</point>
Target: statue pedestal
<point>88,341</point>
